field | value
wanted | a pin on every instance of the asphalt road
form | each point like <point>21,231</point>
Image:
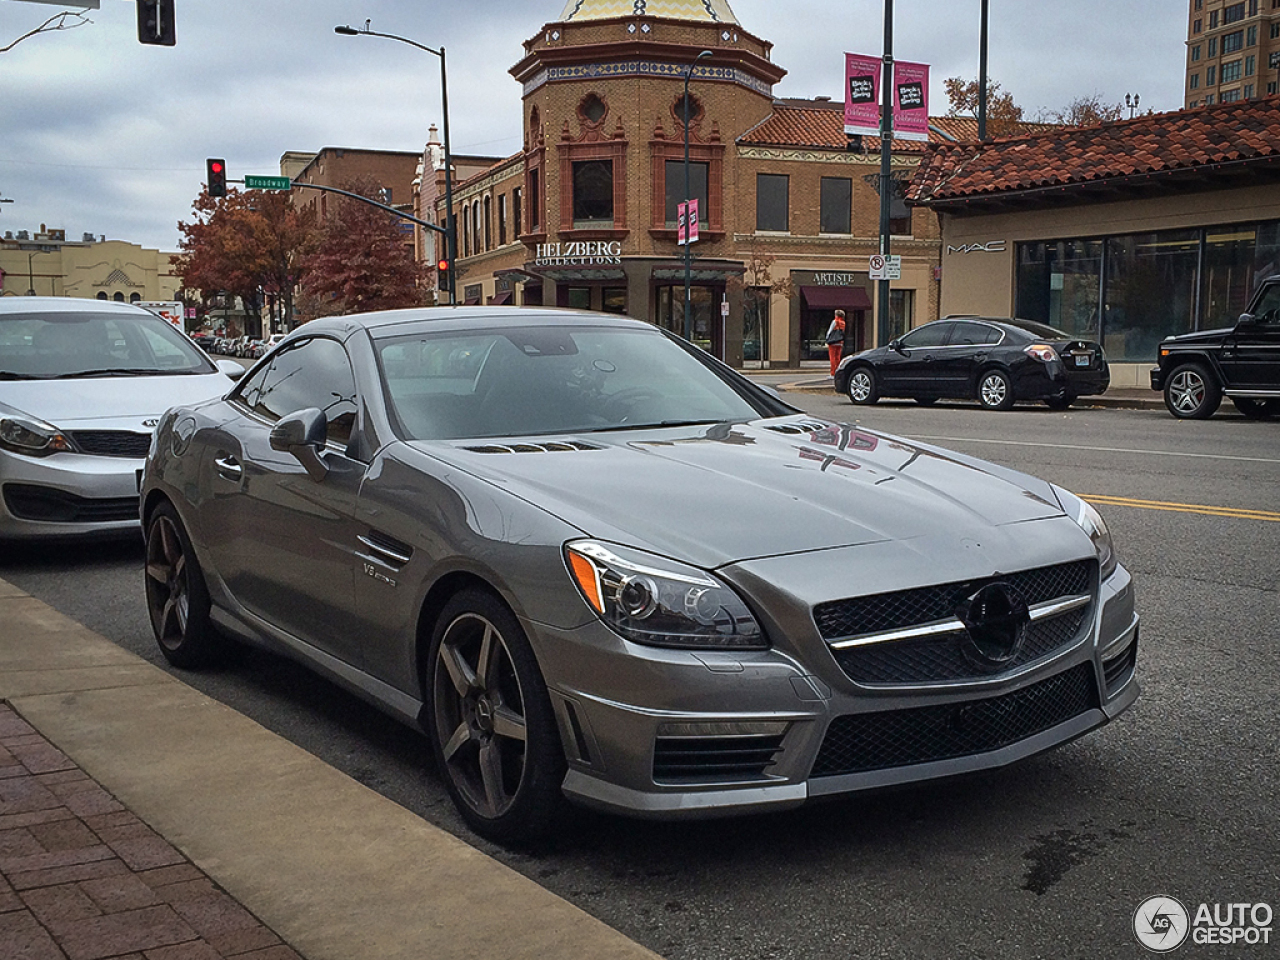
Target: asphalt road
<point>1048,859</point>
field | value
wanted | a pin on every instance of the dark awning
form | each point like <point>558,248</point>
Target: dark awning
<point>501,298</point>
<point>836,298</point>
<point>471,302</point>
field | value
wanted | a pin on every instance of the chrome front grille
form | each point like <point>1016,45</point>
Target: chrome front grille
<point>915,636</point>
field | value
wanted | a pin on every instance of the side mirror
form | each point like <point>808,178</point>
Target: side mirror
<point>302,434</point>
<point>230,368</point>
<point>895,344</point>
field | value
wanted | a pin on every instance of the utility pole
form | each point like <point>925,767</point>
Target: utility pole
<point>886,156</point>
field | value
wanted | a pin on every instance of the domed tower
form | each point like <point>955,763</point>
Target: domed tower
<point>604,117</point>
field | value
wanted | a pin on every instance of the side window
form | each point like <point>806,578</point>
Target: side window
<point>930,335</point>
<point>315,373</point>
<point>1268,308</point>
<point>974,334</point>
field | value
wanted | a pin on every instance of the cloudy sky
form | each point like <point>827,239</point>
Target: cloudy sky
<point>100,134</point>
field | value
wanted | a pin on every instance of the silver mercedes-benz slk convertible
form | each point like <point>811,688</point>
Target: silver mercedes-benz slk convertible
<point>593,563</point>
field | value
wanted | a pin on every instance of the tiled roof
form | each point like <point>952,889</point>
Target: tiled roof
<point>1138,151</point>
<point>819,125</point>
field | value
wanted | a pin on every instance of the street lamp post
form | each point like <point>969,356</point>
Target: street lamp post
<point>982,72</point>
<point>688,247</point>
<point>451,226</point>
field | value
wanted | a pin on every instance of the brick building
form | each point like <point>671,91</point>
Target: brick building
<point>585,214</point>
<point>1233,51</point>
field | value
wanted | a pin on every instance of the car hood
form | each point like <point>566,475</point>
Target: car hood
<point>728,493</point>
<point>109,402</point>
<point>1201,336</point>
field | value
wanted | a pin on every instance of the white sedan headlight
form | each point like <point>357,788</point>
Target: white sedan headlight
<point>32,437</point>
<point>656,601</point>
<point>1091,522</point>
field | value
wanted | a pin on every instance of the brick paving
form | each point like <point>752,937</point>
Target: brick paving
<point>82,878</point>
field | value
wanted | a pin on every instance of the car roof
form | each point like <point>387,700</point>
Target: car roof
<point>390,323</point>
<point>1030,327</point>
<point>65,305</point>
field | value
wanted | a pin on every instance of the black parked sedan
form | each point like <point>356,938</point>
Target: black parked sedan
<point>997,362</point>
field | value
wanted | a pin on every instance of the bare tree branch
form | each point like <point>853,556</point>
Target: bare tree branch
<point>56,22</point>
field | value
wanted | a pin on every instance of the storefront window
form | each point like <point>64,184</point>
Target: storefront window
<point>1157,284</point>
<point>705,302</point>
<point>902,304</point>
<point>1059,283</point>
<point>1150,291</point>
<point>614,300</point>
<point>1228,274</point>
<point>755,324</point>
<point>578,298</point>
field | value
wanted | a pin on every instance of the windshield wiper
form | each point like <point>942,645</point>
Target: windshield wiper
<point>653,426</point>
<point>8,375</point>
<point>118,372</point>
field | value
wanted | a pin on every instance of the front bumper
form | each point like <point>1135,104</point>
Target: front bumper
<point>674,734</point>
<point>68,495</point>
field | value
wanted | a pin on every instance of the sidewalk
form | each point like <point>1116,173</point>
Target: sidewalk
<point>140,819</point>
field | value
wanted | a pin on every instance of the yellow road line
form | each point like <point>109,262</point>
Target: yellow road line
<point>1185,508</point>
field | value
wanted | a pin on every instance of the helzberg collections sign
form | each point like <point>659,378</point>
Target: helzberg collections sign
<point>579,253</point>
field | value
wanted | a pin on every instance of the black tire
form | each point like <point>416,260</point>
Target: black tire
<point>862,387</point>
<point>490,722</point>
<point>1060,403</point>
<point>177,597</point>
<point>995,390</point>
<point>926,401</point>
<point>1255,408</point>
<point>1191,392</point>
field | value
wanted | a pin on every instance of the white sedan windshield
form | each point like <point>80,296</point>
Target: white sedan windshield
<point>45,346</point>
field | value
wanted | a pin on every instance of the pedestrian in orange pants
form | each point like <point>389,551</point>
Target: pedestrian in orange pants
<point>835,340</point>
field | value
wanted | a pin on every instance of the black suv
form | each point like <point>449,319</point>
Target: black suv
<point>1198,369</point>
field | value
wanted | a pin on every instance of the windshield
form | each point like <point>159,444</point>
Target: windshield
<point>541,380</point>
<point>47,346</point>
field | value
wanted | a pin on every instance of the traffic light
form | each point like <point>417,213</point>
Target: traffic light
<point>216,173</point>
<point>155,22</point>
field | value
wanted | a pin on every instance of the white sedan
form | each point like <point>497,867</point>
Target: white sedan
<point>82,385</point>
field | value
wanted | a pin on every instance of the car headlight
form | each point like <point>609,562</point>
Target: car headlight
<point>1091,522</point>
<point>35,438</point>
<point>659,602</point>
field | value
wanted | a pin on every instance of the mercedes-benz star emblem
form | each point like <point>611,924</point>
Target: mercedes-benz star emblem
<point>996,618</point>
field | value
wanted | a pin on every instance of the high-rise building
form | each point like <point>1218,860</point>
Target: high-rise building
<point>1233,50</point>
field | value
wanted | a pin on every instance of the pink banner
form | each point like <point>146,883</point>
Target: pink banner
<point>911,100</point>
<point>862,95</point>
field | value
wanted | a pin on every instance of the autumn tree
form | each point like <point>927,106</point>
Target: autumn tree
<point>1004,116</point>
<point>248,244</point>
<point>1083,112</point>
<point>362,261</point>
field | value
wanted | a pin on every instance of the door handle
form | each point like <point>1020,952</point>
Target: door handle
<point>229,468</point>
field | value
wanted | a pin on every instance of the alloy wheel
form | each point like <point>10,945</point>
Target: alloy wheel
<point>1187,391</point>
<point>479,707</point>
<point>168,588</point>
